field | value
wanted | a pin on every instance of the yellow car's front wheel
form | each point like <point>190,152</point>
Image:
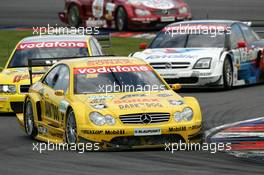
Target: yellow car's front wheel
<point>71,128</point>
<point>30,127</point>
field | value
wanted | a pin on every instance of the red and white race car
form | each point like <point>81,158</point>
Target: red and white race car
<point>124,14</point>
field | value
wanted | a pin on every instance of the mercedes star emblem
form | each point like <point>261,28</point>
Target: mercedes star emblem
<point>165,12</point>
<point>146,119</point>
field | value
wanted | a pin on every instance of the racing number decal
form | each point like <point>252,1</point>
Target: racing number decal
<point>52,111</point>
<point>248,54</point>
<point>98,8</point>
<point>97,19</point>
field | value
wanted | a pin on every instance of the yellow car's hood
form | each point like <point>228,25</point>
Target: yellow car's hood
<point>18,76</point>
<point>138,102</point>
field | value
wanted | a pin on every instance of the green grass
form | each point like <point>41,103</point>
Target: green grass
<point>9,39</point>
<point>125,46</point>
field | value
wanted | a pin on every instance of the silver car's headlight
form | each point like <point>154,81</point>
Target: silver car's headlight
<point>7,88</point>
<point>100,120</point>
<point>97,118</point>
<point>142,12</point>
<point>185,115</point>
<point>203,63</point>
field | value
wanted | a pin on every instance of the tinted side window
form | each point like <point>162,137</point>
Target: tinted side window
<point>249,34</point>
<point>236,36</point>
<point>51,77</point>
<point>63,79</point>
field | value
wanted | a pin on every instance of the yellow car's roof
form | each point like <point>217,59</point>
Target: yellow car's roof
<point>103,61</point>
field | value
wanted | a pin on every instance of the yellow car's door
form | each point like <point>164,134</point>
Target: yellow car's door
<point>55,86</point>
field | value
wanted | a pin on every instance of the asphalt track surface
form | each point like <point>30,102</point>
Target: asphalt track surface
<point>219,107</point>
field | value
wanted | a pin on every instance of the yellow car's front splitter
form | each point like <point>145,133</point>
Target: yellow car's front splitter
<point>108,146</point>
<point>132,137</point>
<point>140,137</point>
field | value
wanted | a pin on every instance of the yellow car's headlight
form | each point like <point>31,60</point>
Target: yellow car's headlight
<point>185,115</point>
<point>7,88</point>
<point>100,120</point>
<point>97,118</point>
<point>110,120</point>
<point>178,117</point>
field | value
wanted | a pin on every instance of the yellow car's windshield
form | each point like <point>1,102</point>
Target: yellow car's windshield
<point>111,80</point>
<point>20,57</point>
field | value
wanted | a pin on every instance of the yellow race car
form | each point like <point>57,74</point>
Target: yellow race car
<point>117,102</point>
<point>14,79</point>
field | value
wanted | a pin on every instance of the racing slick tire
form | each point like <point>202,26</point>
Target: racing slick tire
<point>121,19</point>
<point>74,16</point>
<point>30,126</point>
<point>227,74</point>
<point>71,128</point>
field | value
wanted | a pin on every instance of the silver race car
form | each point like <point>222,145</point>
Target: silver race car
<point>207,53</point>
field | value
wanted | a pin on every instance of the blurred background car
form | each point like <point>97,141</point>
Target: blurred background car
<point>14,79</point>
<point>124,14</point>
<point>207,53</point>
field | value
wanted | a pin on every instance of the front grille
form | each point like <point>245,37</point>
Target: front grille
<point>137,118</point>
<point>17,107</point>
<point>170,65</point>
<point>24,88</point>
<point>184,80</point>
<point>165,12</point>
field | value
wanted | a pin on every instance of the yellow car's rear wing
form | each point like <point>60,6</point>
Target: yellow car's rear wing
<point>47,62</point>
<point>42,62</point>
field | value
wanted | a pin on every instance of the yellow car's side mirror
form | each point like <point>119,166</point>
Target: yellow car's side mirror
<point>59,92</point>
<point>176,87</point>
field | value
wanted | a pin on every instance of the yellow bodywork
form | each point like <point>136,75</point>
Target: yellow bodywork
<point>52,128</point>
<point>18,77</point>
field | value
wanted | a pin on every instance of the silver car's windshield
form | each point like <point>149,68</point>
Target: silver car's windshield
<point>165,40</point>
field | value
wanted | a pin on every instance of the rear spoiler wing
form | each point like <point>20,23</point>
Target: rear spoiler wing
<point>41,62</point>
<point>256,24</point>
<point>47,62</point>
<point>252,23</point>
<point>104,40</point>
